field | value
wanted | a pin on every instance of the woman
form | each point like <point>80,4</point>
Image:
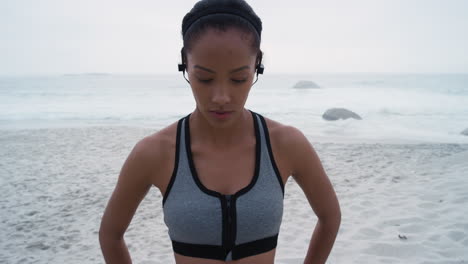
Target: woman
<point>215,210</point>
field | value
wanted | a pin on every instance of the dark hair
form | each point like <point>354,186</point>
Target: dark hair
<point>240,15</point>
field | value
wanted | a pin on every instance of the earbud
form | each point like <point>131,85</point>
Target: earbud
<point>260,69</point>
<point>181,67</point>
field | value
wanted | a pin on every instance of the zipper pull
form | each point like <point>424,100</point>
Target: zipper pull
<point>229,202</point>
<point>229,221</point>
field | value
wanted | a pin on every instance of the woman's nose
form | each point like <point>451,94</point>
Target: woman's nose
<point>221,95</point>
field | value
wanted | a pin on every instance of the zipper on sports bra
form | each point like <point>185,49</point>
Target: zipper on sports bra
<point>229,229</point>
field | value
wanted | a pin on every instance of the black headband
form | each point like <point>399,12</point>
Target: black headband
<point>222,10</point>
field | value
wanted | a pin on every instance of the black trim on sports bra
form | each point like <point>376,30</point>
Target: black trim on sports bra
<point>194,171</point>
<point>219,252</point>
<point>176,161</point>
<point>270,151</point>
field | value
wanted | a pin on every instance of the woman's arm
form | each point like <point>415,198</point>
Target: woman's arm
<point>308,172</point>
<point>133,183</point>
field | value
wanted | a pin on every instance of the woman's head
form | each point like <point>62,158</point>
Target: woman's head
<point>221,52</point>
<point>221,15</point>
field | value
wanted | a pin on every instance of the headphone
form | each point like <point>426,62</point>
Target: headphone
<point>183,66</point>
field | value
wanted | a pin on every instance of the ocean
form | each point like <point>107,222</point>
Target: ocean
<point>64,140</point>
<point>406,108</point>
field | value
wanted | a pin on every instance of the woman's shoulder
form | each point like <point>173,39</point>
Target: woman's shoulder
<point>154,154</point>
<point>163,136</point>
<point>289,145</point>
<point>157,147</point>
<point>284,135</point>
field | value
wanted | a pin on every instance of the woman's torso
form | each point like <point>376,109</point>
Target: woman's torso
<point>233,172</point>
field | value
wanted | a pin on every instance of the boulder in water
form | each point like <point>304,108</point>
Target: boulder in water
<point>339,113</point>
<point>306,85</point>
<point>465,132</point>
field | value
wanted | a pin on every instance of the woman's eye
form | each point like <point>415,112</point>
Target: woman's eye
<point>234,80</point>
<point>239,81</point>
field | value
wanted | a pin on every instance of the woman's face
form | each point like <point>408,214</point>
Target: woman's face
<point>221,67</point>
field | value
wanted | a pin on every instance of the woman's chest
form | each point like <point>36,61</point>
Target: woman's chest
<point>225,171</point>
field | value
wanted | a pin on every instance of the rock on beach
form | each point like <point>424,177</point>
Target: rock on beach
<point>306,85</point>
<point>333,114</point>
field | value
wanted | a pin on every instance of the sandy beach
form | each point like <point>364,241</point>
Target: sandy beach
<point>401,203</point>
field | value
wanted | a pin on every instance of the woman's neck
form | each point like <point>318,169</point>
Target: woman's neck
<point>238,129</point>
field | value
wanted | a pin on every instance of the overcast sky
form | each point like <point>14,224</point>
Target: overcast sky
<point>299,36</point>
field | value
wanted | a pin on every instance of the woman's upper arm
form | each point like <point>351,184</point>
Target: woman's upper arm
<point>308,172</point>
<point>133,183</point>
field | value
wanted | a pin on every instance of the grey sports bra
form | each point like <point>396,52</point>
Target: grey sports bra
<point>207,224</point>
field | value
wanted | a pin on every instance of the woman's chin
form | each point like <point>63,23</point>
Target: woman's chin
<point>221,118</point>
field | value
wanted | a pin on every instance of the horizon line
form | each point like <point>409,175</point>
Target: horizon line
<point>103,74</point>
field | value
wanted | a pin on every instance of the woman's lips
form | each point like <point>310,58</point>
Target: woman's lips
<point>221,114</point>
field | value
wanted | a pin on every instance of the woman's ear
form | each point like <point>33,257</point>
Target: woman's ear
<point>259,66</point>
<point>259,58</point>
<point>183,64</point>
